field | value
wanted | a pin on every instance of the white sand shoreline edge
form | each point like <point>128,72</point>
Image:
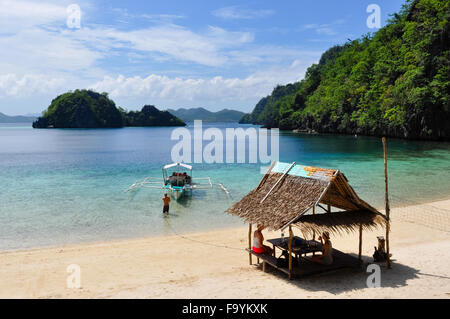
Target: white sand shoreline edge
<point>192,267</point>
<point>443,203</point>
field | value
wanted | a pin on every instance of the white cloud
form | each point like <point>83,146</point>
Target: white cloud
<point>214,92</point>
<point>163,91</point>
<point>179,89</point>
<point>237,12</point>
<point>12,85</point>
<point>271,55</point>
<point>40,51</point>
<point>182,44</point>
<point>43,58</point>
<point>169,40</point>
<point>45,44</point>
<point>26,13</point>
<point>33,41</point>
<point>163,17</point>
<point>324,29</point>
<point>126,16</point>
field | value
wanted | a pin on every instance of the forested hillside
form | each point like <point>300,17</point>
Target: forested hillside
<point>89,109</point>
<point>394,82</point>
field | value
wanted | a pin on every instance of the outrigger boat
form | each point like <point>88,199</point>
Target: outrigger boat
<point>178,181</point>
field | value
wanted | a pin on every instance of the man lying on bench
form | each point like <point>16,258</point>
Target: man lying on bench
<point>258,240</point>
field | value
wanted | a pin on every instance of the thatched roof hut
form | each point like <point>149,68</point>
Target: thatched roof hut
<point>288,192</point>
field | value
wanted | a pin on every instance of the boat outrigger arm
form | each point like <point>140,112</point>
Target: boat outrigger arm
<point>176,182</point>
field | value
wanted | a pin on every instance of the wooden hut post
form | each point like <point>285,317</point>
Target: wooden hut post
<point>314,231</point>
<point>329,204</point>
<point>250,243</point>
<point>360,243</point>
<point>290,251</point>
<point>388,259</point>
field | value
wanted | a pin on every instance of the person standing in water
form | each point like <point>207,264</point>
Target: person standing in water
<point>166,200</point>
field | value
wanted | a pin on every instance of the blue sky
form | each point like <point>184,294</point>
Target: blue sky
<point>213,54</point>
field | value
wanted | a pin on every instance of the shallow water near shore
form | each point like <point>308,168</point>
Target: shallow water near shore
<point>67,186</point>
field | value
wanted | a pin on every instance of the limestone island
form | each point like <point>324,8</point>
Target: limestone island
<point>89,109</point>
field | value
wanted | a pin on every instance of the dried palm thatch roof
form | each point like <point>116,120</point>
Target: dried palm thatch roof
<point>339,222</point>
<point>288,191</point>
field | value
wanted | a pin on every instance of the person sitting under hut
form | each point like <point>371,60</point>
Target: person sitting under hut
<point>327,253</point>
<point>258,240</point>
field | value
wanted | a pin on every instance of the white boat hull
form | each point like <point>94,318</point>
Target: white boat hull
<point>177,194</point>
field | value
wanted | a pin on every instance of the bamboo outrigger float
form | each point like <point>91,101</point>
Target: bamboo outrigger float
<point>177,181</point>
<point>288,196</point>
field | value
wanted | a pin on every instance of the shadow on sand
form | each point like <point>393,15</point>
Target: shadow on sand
<point>345,280</point>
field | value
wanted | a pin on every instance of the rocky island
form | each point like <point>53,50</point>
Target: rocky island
<point>89,109</point>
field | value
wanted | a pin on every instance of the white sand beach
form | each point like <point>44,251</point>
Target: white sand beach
<point>175,267</point>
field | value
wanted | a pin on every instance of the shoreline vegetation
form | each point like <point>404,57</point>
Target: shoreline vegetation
<point>139,272</point>
<point>394,82</point>
<point>89,109</point>
<point>199,113</point>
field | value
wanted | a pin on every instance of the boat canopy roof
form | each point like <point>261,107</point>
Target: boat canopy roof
<point>189,167</point>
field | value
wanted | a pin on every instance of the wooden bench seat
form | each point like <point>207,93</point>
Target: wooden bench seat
<point>269,259</point>
<point>306,267</point>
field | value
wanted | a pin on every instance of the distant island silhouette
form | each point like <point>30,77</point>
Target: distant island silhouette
<point>16,119</point>
<point>200,113</point>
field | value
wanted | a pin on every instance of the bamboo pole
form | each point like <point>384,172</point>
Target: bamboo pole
<point>263,179</point>
<point>250,243</point>
<point>314,232</point>
<point>360,243</point>
<point>329,204</point>
<point>290,251</point>
<point>388,259</point>
<point>277,182</point>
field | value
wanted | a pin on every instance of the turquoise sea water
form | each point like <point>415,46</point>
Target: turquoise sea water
<point>67,186</point>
